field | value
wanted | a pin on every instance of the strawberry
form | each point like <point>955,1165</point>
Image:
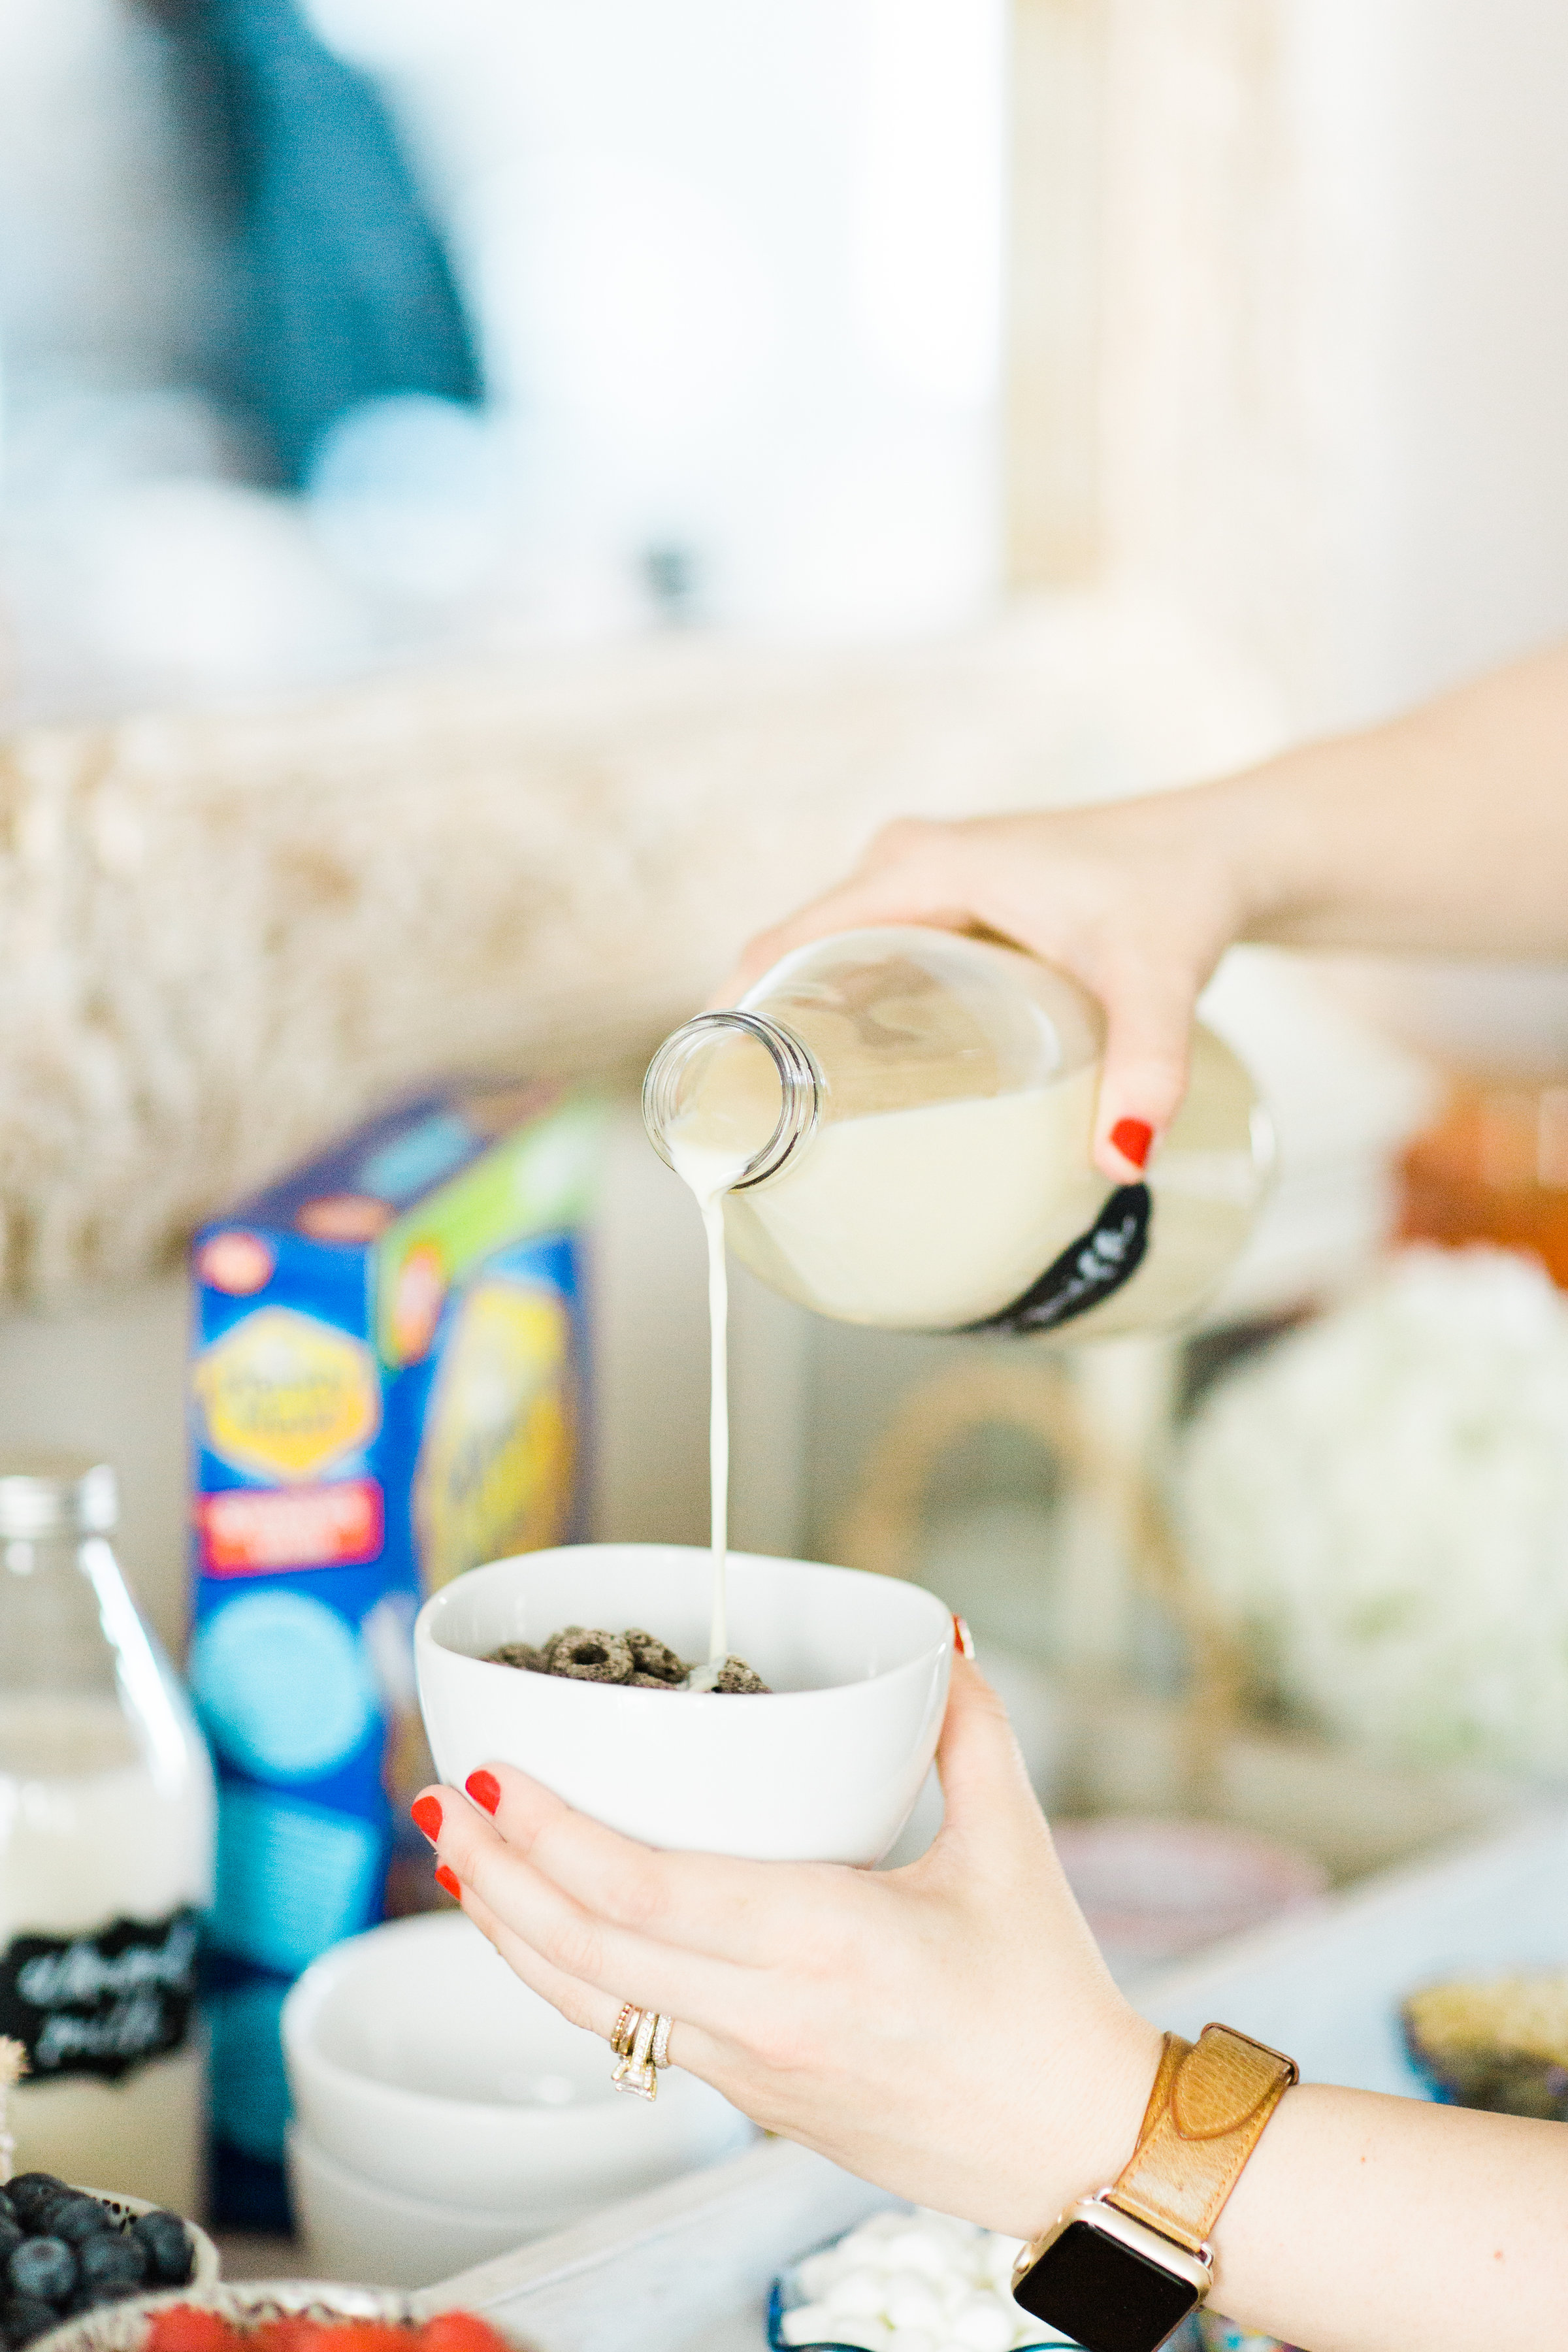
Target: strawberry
<point>460,2331</point>
<point>289,2332</point>
<point>184,2327</point>
<point>357,2335</point>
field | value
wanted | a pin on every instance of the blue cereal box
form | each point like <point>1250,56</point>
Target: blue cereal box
<point>387,1387</point>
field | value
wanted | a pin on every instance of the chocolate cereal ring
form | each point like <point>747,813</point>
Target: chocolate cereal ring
<point>654,1661</point>
<point>736,1676</point>
<point>591,1656</point>
<point>517,1653</point>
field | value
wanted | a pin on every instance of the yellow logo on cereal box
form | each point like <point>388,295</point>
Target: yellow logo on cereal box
<point>494,1474</point>
<point>283,1396</point>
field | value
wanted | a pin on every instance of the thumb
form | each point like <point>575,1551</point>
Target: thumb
<point>905,890</point>
<point>984,1785</point>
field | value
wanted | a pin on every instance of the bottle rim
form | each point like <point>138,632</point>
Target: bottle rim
<point>801,1086</point>
<point>55,1493</point>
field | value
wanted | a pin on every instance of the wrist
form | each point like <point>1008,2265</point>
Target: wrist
<point>1121,2273</point>
<point>1115,2078</point>
<point>1129,2068</point>
<point>1262,845</point>
<point>1284,834</point>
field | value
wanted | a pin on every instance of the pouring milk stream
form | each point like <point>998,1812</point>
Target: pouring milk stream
<point>894,1128</point>
<point>711,1173</point>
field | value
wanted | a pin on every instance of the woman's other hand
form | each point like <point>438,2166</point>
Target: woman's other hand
<point>948,2029</point>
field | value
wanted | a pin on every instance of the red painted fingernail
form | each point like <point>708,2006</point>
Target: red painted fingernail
<point>1132,1138</point>
<point>426,1814</point>
<point>962,1639</point>
<point>449,1879</point>
<point>484,1789</point>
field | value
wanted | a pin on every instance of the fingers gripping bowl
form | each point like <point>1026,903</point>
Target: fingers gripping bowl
<point>825,1767</point>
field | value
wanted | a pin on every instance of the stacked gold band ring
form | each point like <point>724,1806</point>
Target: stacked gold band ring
<point>641,2044</point>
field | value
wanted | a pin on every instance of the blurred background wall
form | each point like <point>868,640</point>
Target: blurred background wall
<point>1282,286</point>
<point>1309,253</point>
<point>1275,287</point>
<point>732,278</point>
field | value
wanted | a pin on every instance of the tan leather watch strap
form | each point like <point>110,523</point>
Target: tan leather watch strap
<point>1205,2114</point>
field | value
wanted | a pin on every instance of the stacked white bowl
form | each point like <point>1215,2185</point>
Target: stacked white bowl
<point>444,2114</point>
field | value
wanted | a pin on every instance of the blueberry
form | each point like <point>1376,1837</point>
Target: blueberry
<point>24,2317</point>
<point>113,2260</point>
<point>31,2194</point>
<point>78,2217</point>
<point>8,2211</point>
<point>45,2267</point>
<point>167,2243</point>
<point>11,2236</point>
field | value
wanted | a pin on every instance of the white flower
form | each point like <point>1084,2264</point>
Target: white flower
<point>1379,1505</point>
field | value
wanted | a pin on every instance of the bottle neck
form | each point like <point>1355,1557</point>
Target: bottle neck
<point>53,1629</point>
<point>732,1084</point>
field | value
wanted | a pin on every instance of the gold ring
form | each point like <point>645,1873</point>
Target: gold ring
<point>640,2041</point>
<point>634,2073</point>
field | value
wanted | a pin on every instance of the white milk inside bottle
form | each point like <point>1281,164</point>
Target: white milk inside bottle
<point>902,1121</point>
<point>106,1842</point>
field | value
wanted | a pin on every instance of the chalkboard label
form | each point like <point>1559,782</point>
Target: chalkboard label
<point>1088,1270</point>
<point>101,2003</point>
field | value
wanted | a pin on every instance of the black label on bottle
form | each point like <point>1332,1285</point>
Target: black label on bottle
<point>101,2003</point>
<point>1088,1270</point>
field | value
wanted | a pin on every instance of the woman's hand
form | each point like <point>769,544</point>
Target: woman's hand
<point>948,2029</point>
<point>1445,832</point>
<point>1138,901</point>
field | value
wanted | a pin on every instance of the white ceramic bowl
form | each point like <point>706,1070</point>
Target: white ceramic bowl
<point>355,2229</point>
<point>422,2066</point>
<point>205,2267</point>
<point>826,1769</point>
<point>205,2259</point>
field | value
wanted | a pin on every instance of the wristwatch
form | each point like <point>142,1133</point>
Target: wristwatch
<point>1120,2270</point>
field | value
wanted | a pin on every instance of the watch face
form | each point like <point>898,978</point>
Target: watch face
<point>1103,2293</point>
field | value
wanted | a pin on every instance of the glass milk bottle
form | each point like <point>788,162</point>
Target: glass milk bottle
<point>899,1122</point>
<point>106,1842</point>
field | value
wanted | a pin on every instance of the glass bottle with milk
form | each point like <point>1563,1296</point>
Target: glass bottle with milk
<point>896,1125</point>
<point>106,1842</point>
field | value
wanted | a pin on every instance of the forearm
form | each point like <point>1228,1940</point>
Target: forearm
<point>1446,831</point>
<point>1370,2224</point>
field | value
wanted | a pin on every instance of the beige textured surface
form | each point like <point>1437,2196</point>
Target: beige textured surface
<point>226,935</point>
